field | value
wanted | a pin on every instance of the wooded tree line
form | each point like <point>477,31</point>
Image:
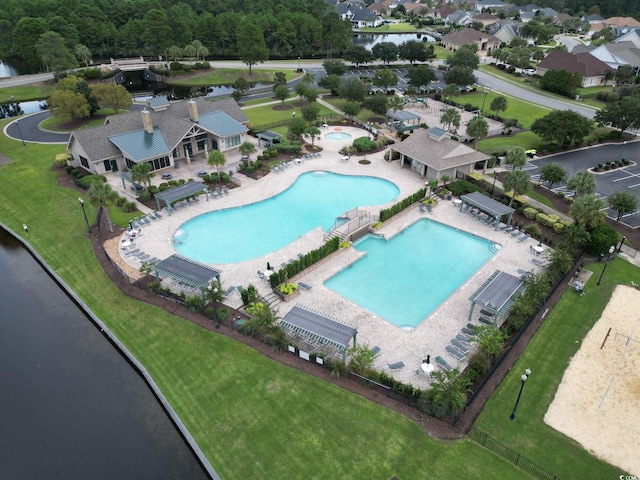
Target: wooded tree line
<point>610,8</point>
<point>117,28</point>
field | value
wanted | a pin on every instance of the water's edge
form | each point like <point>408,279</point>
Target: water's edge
<point>128,356</point>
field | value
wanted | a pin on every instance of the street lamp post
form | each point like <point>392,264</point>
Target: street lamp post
<point>18,125</point>
<point>495,176</point>
<point>484,99</point>
<point>298,63</point>
<point>81,202</point>
<point>624,144</point>
<point>214,296</point>
<point>523,379</point>
<point>611,250</point>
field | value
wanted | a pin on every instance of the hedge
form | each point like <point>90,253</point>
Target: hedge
<point>547,220</point>
<point>305,261</point>
<point>530,212</point>
<point>387,213</point>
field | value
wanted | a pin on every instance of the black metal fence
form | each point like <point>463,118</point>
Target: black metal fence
<point>514,457</point>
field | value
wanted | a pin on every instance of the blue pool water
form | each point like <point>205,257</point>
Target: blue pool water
<point>404,279</point>
<point>338,136</point>
<point>251,231</point>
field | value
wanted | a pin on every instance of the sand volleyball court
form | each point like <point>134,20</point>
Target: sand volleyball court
<point>598,401</point>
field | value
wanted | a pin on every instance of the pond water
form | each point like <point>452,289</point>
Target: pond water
<point>369,40</point>
<point>71,405</point>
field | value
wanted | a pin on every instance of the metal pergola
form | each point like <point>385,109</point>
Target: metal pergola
<point>320,328</point>
<point>269,137</point>
<point>186,271</point>
<point>489,206</point>
<point>178,193</point>
<point>497,294</point>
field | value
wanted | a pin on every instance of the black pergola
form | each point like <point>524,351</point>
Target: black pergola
<point>187,272</point>
<point>488,206</point>
<point>178,193</point>
<point>497,294</point>
<point>269,138</point>
<point>320,328</point>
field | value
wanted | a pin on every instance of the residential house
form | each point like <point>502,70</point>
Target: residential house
<point>455,40</point>
<point>360,17</point>
<point>443,12</point>
<point>487,19</point>
<point>492,5</point>
<point>620,22</point>
<point>592,69</point>
<point>460,18</point>
<point>505,32</point>
<point>161,135</point>
<point>432,154</point>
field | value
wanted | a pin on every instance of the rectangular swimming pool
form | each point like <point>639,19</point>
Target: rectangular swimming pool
<point>407,277</point>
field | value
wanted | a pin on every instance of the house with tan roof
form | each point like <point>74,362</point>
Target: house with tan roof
<point>162,135</point>
<point>621,22</point>
<point>484,42</point>
<point>432,154</point>
<point>592,69</point>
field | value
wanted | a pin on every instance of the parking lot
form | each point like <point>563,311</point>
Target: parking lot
<point>402,78</point>
<point>619,180</point>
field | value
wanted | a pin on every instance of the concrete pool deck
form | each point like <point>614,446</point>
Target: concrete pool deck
<point>396,344</point>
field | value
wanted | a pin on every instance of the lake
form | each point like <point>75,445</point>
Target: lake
<point>71,405</point>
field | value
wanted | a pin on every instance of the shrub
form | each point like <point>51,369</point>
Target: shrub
<point>602,237</point>
<point>364,144</point>
<point>75,172</point>
<point>547,220</point>
<point>175,66</point>
<point>530,212</point>
<point>130,206</point>
<point>460,187</point>
<point>558,227</point>
<point>61,159</point>
<point>533,230</point>
<point>69,168</point>
<point>120,201</point>
<point>287,288</point>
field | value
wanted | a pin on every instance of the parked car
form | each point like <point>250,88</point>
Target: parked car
<point>529,71</point>
<point>501,66</point>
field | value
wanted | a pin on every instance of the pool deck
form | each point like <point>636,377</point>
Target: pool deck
<point>396,344</point>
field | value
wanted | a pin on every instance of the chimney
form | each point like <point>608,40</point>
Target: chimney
<point>193,111</point>
<point>146,121</point>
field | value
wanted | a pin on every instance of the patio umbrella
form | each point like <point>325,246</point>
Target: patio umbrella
<point>268,266</point>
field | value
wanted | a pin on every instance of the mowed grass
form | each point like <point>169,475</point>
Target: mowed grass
<point>25,93</point>
<point>265,114</point>
<point>548,355</point>
<point>252,417</point>
<point>226,76</point>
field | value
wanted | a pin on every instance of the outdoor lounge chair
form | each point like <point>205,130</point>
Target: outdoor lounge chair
<point>304,286</point>
<point>524,237</point>
<point>225,190</point>
<point>132,252</point>
<point>395,366</point>
<point>228,292</point>
<point>486,321</point>
<point>461,337</point>
<point>428,207</point>
<point>516,233</point>
<point>145,220</point>
<point>509,229</point>
<point>467,331</point>
<point>455,353</point>
<point>443,363</point>
<point>464,350</point>
<point>486,313</point>
<point>503,227</point>
<point>421,208</point>
<point>540,263</point>
<point>375,350</point>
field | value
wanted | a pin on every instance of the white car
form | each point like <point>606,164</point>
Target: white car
<point>529,71</point>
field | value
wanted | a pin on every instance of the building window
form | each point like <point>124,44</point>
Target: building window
<point>176,152</point>
<point>84,162</point>
<point>201,144</point>
<point>232,141</point>
<point>107,165</point>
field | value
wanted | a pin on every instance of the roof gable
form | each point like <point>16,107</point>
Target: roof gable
<point>140,145</point>
<point>584,63</point>
<point>221,124</point>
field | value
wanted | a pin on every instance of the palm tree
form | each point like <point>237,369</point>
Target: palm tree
<point>248,149</point>
<point>477,128</point>
<point>313,132</point>
<point>101,195</point>
<point>308,78</point>
<point>583,183</point>
<point>217,159</point>
<point>517,182</point>
<point>451,90</point>
<point>498,104</point>
<point>451,116</point>
<point>141,173</point>
<point>553,173</point>
<point>588,211</point>
<point>516,157</point>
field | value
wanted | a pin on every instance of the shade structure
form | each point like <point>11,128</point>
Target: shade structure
<point>488,205</point>
<point>178,193</point>
<point>316,326</point>
<point>497,294</point>
<point>186,271</point>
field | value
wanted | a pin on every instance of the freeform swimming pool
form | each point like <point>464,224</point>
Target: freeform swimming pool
<point>338,136</point>
<point>251,231</point>
<point>405,278</point>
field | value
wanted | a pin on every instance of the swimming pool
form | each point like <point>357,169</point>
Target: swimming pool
<point>338,136</point>
<point>315,200</point>
<point>405,278</point>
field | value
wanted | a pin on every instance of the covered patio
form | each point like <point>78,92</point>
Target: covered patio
<point>180,192</point>
<point>496,295</point>
<point>489,206</point>
<point>403,120</point>
<point>187,272</point>
<point>319,329</point>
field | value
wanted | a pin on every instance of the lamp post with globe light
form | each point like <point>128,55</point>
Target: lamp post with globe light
<point>213,292</point>
<point>81,202</point>
<point>611,250</point>
<point>523,379</point>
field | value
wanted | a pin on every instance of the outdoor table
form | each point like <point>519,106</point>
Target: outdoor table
<point>538,250</point>
<point>428,368</point>
<point>456,201</point>
<point>202,173</point>
<point>125,244</point>
<point>166,176</point>
<point>268,273</point>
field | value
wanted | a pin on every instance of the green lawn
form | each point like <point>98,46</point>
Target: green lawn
<point>53,123</point>
<point>402,27</point>
<point>503,143</point>
<point>226,76</point>
<point>548,355</point>
<point>25,93</point>
<point>266,114</point>
<point>252,417</point>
